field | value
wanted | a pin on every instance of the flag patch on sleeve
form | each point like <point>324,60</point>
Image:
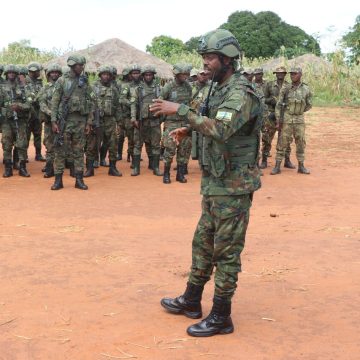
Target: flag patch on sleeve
<point>224,115</point>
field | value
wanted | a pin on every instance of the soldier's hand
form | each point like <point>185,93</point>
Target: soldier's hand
<point>54,128</point>
<point>87,129</point>
<point>179,134</point>
<point>163,107</point>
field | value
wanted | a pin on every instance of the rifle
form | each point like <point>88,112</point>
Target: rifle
<point>140,105</point>
<point>97,119</point>
<point>282,114</point>
<point>15,114</point>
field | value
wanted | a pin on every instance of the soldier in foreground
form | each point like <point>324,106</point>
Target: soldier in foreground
<point>230,176</point>
<point>294,100</point>
<point>71,119</point>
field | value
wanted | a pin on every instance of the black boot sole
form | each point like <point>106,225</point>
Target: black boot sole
<point>177,311</point>
<point>224,331</point>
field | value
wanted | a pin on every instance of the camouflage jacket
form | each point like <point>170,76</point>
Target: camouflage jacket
<point>125,99</point>
<point>143,97</point>
<point>44,96</point>
<point>198,95</point>
<point>232,136</point>
<point>178,93</point>
<point>80,100</point>
<point>271,94</point>
<point>35,85</point>
<point>297,100</point>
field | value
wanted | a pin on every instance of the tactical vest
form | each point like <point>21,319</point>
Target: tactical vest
<point>106,99</point>
<point>146,93</point>
<point>79,100</point>
<point>16,93</point>
<point>178,93</point>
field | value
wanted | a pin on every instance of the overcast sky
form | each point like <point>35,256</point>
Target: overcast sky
<point>80,23</point>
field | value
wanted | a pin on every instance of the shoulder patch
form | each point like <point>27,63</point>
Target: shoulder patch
<point>224,115</point>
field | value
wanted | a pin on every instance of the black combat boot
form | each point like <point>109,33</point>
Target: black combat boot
<point>8,169</point>
<point>103,151</point>
<point>263,164</point>
<point>49,169</point>
<point>58,184</point>
<point>136,165</point>
<point>276,170</point>
<point>22,171</point>
<point>128,157</point>
<point>151,165</point>
<point>166,177</point>
<point>113,171</point>
<point>156,170</point>
<point>180,174</point>
<point>15,162</point>
<point>186,172</point>
<point>162,150</point>
<point>302,169</point>
<point>120,150</point>
<point>79,182</point>
<point>96,164</point>
<point>38,156</point>
<point>188,304</point>
<point>218,321</point>
<point>288,164</point>
<point>89,168</point>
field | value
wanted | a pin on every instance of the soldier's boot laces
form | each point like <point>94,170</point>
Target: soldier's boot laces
<point>49,169</point>
<point>135,165</point>
<point>72,169</point>
<point>180,174</point>
<point>22,171</point>
<point>188,304</point>
<point>276,170</point>
<point>79,182</point>
<point>58,184</point>
<point>151,165</point>
<point>8,169</point>
<point>89,168</point>
<point>302,169</point>
<point>263,164</point>
<point>288,164</point>
<point>217,322</point>
<point>166,177</point>
<point>113,171</point>
<point>156,161</point>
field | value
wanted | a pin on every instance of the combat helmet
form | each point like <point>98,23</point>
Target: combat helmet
<point>134,67</point>
<point>54,67</point>
<point>76,59</point>
<point>11,68</point>
<point>148,69</point>
<point>219,41</point>
<point>181,68</point>
<point>114,70</point>
<point>105,68</point>
<point>125,71</point>
<point>34,66</point>
<point>23,70</point>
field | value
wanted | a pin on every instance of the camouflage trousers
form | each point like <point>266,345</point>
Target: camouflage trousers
<point>182,151</point>
<point>74,142</point>
<point>35,127</point>
<point>107,135</point>
<point>288,132</point>
<point>150,134</point>
<point>10,140</point>
<point>127,131</point>
<point>219,240</point>
<point>267,135</point>
<point>49,137</point>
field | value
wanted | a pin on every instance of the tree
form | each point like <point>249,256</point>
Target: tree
<point>351,41</point>
<point>164,46</point>
<point>262,34</point>
<point>192,44</point>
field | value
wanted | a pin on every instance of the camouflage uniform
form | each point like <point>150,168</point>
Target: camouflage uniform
<point>35,125</point>
<point>179,93</point>
<point>297,100</point>
<point>76,90</point>
<point>20,95</point>
<point>148,130</point>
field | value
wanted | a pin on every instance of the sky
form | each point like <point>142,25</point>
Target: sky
<point>80,23</point>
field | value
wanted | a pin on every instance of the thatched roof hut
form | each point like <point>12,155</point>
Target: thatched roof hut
<point>120,54</point>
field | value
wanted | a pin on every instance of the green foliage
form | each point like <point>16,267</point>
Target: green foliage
<point>262,34</point>
<point>21,52</point>
<point>352,41</point>
<point>192,44</point>
<point>187,57</point>
<point>164,47</point>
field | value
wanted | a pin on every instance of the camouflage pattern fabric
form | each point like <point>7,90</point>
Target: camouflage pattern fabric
<point>128,129</point>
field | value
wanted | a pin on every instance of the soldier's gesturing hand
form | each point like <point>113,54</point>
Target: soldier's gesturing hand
<point>163,107</point>
<point>179,134</point>
<point>55,128</point>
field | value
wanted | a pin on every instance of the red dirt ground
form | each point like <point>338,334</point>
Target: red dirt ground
<point>82,272</point>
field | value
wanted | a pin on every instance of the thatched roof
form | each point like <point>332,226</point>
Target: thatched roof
<point>120,54</point>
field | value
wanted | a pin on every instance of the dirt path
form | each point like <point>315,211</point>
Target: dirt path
<point>82,272</point>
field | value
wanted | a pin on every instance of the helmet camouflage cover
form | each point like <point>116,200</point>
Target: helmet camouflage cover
<point>135,67</point>
<point>181,68</point>
<point>219,41</point>
<point>23,70</point>
<point>34,66</point>
<point>76,59</point>
<point>105,69</point>
<point>54,67</point>
<point>11,68</point>
<point>148,69</point>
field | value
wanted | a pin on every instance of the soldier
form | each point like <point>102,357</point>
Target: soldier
<point>35,126</point>
<point>72,105</point>
<point>229,178</point>
<point>106,120</point>
<point>178,90</point>
<point>193,75</point>
<point>294,100</point>
<point>17,106</point>
<point>248,74</point>
<point>53,72</point>
<point>271,94</point>
<point>147,126</point>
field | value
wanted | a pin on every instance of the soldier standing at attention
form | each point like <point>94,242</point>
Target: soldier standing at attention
<point>147,126</point>
<point>35,84</point>
<point>271,93</point>
<point>17,107</point>
<point>72,103</point>
<point>294,100</point>
<point>53,72</point>
<point>229,178</point>
<point>179,91</point>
